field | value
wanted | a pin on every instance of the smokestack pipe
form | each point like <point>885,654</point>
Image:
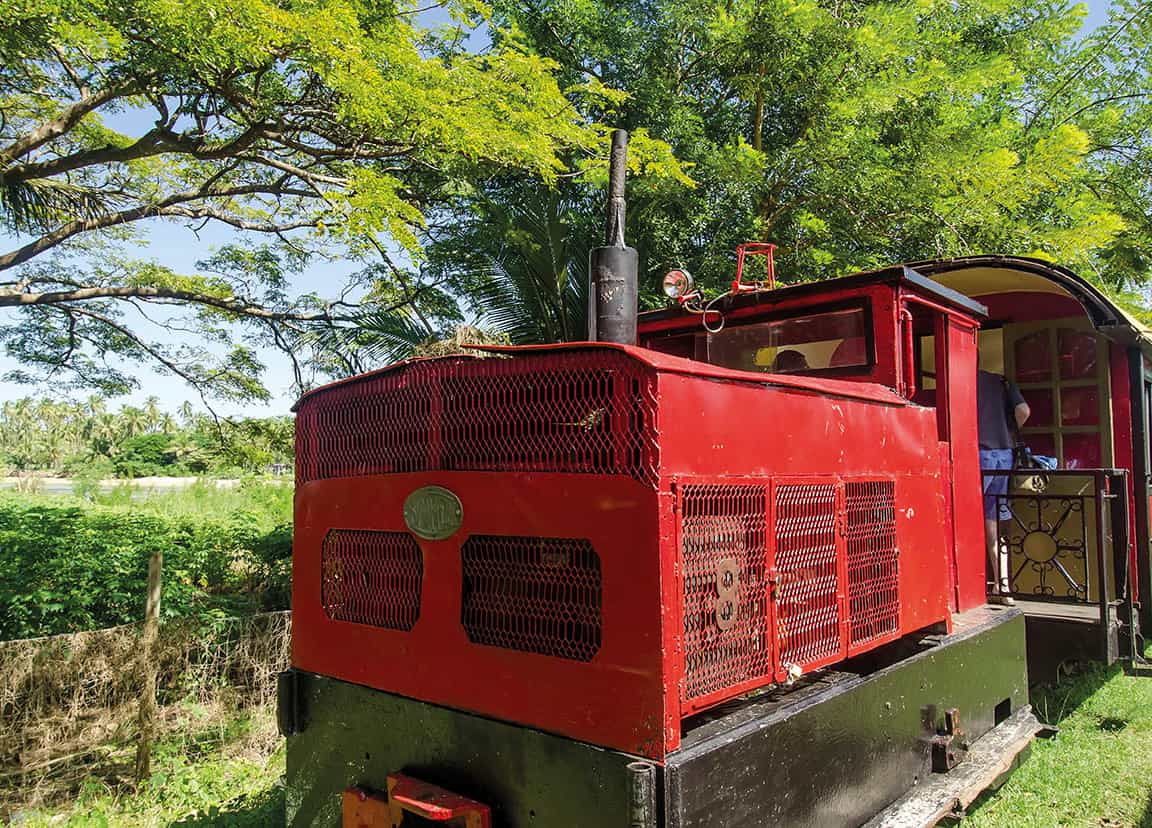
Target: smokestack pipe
<point>614,269</point>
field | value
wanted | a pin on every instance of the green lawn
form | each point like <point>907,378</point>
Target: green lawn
<point>1096,772</point>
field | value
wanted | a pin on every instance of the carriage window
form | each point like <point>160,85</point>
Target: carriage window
<point>813,342</point>
<point>1061,369</point>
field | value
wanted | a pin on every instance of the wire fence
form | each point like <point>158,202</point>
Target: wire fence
<point>68,703</point>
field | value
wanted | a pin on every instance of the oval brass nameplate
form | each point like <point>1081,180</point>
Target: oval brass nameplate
<point>433,513</point>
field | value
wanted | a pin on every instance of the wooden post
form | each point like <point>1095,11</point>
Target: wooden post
<point>148,668</point>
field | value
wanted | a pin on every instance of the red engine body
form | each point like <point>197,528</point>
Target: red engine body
<point>641,535</point>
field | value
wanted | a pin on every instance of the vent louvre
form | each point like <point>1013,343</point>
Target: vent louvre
<point>578,412</point>
<point>371,578</point>
<point>537,595</point>
<point>724,548</point>
<point>807,600</point>
<point>873,574</point>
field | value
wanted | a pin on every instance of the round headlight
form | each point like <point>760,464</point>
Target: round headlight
<point>677,284</point>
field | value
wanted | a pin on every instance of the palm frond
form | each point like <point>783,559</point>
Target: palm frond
<point>40,204</point>
<point>534,289</point>
<point>369,339</point>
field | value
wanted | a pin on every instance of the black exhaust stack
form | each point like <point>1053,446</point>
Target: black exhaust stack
<point>614,268</point>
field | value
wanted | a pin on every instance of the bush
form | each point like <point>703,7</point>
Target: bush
<point>66,565</point>
<point>144,455</point>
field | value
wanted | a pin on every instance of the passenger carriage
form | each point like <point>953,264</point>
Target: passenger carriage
<point>1079,550</point>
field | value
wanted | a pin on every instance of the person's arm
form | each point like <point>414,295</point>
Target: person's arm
<point>1020,410</point>
<point>1022,413</point>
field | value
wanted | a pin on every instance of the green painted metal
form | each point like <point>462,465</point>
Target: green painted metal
<point>354,735</point>
<point>831,753</point>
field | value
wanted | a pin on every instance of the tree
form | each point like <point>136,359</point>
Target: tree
<point>1103,87</point>
<point>50,436</point>
<point>313,123</point>
<point>520,257</point>
<point>860,134</point>
<point>143,455</point>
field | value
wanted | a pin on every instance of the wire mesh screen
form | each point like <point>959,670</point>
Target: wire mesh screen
<point>873,577</point>
<point>538,595</point>
<point>371,578</point>
<point>724,548</point>
<point>590,412</point>
<point>807,604</point>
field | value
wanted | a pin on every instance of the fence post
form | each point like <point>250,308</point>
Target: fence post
<point>148,667</point>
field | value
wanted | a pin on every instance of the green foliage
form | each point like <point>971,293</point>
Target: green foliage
<point>857,135</point>
<point>143,455</point>
<point>333,126</point>
<point>224,789</point>
<point>520,259</point>
<point>88,442</point>
<point>68,565</point>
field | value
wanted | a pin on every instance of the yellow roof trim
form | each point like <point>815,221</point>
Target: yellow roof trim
<point>985,281</point>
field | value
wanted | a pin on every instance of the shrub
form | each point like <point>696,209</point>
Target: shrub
<point>144,455</point>
<point>66,565</point>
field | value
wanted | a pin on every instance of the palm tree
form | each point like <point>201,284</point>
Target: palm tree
<point>534,285</point>
<point>53,437</point>
<point>133,421</point>
<point>104,435</point>
<point>187,414</point>
<point>370,339</point>
<point>153,415</point>
<point>520,263</point>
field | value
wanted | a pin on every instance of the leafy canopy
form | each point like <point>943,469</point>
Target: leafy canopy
<point>864,133</point>
<point>325,126</point>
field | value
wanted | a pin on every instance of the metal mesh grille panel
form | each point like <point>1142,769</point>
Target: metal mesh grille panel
<point>539,595</point>
<point>870,538</point>
<point>371,578</point>
<point>726,632</point>
<point>590,412</point>
<point>807,605</point>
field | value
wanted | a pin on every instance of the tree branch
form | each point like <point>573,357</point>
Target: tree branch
<point>169,206</point>
<point>156,141</point>
<point>231,304</point>
<point>159,356</point>
<point>66,120</point>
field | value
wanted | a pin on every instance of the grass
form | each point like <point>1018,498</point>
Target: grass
<point>196,782</point>
<point>266,498</point>
<point>1096,772</point>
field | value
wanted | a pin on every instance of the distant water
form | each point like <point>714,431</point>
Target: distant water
<point>65,486</point>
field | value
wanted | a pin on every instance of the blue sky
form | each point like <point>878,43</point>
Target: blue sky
<point>180,248</point>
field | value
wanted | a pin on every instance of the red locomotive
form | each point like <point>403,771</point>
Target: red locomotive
<point>725,568</point>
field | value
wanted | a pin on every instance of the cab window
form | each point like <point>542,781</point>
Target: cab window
<point>812,342</point>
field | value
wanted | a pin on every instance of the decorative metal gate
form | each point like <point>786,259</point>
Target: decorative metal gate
<point>1066,534</point>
